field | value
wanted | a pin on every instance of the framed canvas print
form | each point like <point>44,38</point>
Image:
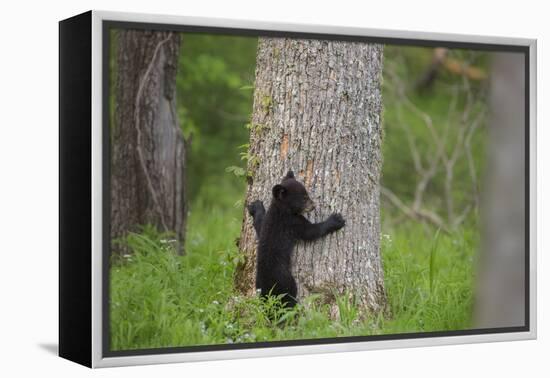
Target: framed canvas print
<point>233,189</point>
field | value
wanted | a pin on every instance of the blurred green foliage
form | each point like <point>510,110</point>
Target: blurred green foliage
<point>214,92</point>
<point>451,104</point>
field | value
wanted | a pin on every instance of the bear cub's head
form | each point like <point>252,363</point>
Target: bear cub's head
<point>292,195</point>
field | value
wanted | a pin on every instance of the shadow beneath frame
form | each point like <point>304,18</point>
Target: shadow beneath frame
<point>51,348</point>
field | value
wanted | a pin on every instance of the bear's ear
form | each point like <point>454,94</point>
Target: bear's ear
<point>289,174</point>
<point>279,191</point>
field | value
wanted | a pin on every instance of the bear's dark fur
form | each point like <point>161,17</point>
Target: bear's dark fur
<point>277,232</point>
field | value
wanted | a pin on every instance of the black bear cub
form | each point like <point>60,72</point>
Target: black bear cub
<point>277,232</point>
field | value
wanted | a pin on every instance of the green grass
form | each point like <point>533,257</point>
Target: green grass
<point>159,299</point>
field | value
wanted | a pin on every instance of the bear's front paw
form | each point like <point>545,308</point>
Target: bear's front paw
<point>255,207</point>
<point>336,221</point>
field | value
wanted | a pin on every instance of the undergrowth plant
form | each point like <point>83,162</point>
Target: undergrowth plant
<point>160,299</point>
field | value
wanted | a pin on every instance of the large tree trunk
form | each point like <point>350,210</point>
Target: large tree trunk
<point>317,111</point>
<point>148,149</point>
<point>501,284</point>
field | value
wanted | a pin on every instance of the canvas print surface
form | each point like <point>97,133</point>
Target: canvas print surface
<point>268,189</point>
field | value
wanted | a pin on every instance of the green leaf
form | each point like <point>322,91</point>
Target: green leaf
<point>237,171</point>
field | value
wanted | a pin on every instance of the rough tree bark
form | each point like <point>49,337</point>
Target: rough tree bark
<point>317,111</point>
<point>148,149</point>
<point>501,284</point>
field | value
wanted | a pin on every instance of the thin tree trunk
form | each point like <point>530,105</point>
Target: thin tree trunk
<point>148,149</point>
<point>501,284</point>
<point>317,111</point>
